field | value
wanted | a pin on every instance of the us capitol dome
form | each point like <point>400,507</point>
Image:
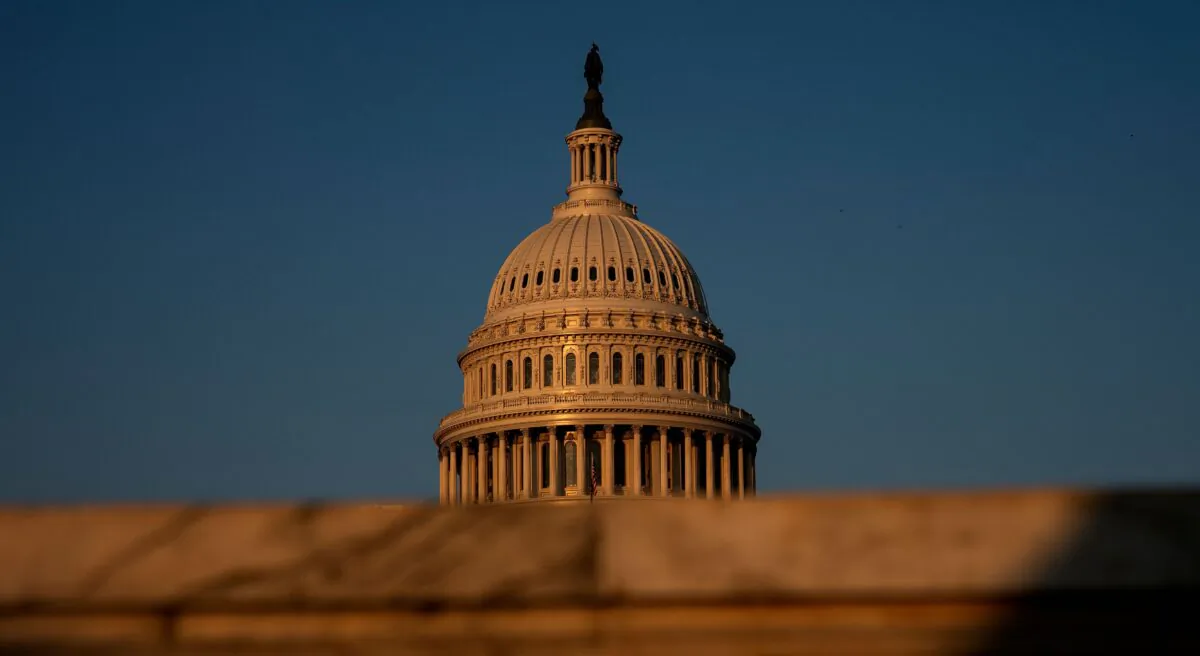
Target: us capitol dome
<point>597,372</point>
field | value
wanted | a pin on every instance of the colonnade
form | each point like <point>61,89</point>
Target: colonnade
<point>568,461</point>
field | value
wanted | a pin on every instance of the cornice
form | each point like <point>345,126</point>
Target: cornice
<point>522,409</point>
<point>469,358</point>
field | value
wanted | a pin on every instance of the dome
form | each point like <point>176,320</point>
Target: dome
<point>597,260</point>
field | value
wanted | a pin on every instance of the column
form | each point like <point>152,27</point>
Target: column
<point>664,485</point>
<point>554,482</point>
<point>741,463</point>
<point>441,477</point>
<point>526,452</point>
<point>574,165</point>
<point>725,492</point>
<point>451,488</point>
<point>481,469</point>
<point>609,475</point>
<point>502,464</point>
<point>614,166</point>
<point>708,465</point>
<point>581,460</point>
<point>464,475</point>
<point>637,461</point>
<point>689,469</point>
<point>587,162</point>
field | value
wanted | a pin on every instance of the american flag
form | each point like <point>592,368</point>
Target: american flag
<point>595,479</point>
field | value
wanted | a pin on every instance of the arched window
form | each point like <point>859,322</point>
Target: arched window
<point>539,278</point>
<point>639,369</point>
<point>508,376</point>
<point>628,274</point>
<point>493,379</point>
<point>617,362</point>
<point>696,373</point>
<point>593,368</point>
<point>660,371</point>
<point>592,273</point>
<point>512,283</point>
<point>620,475</point>
<point>571,455</point>
<point>569,369</point>
<point>574,274</point>
<point>548,371</point>
<point>524,280</point>
<point>557,276</point>
<point>527,374</point>
<point>662,279</point>
<point>679,371</point>
<point>612,273</point>
<point>646,276</point>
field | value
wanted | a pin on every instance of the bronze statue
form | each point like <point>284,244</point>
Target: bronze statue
<point>593,68</point>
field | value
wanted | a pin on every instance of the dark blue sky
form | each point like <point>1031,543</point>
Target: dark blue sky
<point>241,243</point>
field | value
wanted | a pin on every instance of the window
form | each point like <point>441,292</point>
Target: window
<point>508,376</point>
<point>675,281</point>
<point>512,284</point>
<point>660,371</point>
<point>481,382</point>
<point>696,374</point>
<point>612,273</point>
<point>639,369</point>
<point>592,273</point>
<point>548,371</point>
<point>617,361</point>
<point>679,371</point>
<point>620,475</point>
<point>628,274</point>
<point>524,280</point>
<point>574,274</point>
<point>593,368</point>
<point>555,277</point>
<point>571,451</point>
<point>712,375</point>
<point>569,369</point>
<point>538,282</point>
<point>493,379</point>
<point>545,462</point>
<point>662,279</point>
<point>646,276</point>
<point>527,377</point>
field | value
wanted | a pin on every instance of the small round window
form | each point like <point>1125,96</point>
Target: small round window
<point>524,280</point>
<point>556,277</point>
<point>539,278</point>
<point>662,279</point>
<point>512,284</point>
<point>592,274</point>
<point>646,276</point>
<point>574,274</point>
<point>674,281</point>
<point>612,273</point>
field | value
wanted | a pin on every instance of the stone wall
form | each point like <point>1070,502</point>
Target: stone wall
<point>943,573</point>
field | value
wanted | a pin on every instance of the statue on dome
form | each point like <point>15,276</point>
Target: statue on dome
<point>593,68</point>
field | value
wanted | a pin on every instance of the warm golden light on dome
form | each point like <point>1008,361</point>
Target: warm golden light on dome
<point>597,359</point>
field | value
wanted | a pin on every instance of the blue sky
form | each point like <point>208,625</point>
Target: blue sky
<point>954,244</point>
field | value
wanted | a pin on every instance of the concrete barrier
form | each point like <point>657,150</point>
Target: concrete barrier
<point>938,573</point>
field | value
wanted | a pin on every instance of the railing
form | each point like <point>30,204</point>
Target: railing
<point>585,399</point>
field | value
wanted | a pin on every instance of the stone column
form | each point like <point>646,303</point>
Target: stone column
<point>609,474</point>
<point>464,474</point>
<point>689,469</point>
<point>441,477</point>
<point>725,491</point>
<point>741,463</point>
<point>451,486</point>
<point>554,482</point>
<point>614,166</point>
<point>587,162</point>
<point>637,461</point>
<point>664,485</point>
<point>481,469</point>
<point>708,465</point>
<point>501,484</point>
<point>582,466</point>
<point>526,453</point>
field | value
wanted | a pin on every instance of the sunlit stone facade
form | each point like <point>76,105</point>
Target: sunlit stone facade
<point>597,359</point>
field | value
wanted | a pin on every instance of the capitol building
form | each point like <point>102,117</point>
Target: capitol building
<point>597,372</point>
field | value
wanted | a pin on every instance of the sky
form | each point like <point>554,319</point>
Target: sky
<point>241,243</point>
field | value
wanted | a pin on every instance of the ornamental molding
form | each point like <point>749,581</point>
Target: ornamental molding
<point>474,356</point>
